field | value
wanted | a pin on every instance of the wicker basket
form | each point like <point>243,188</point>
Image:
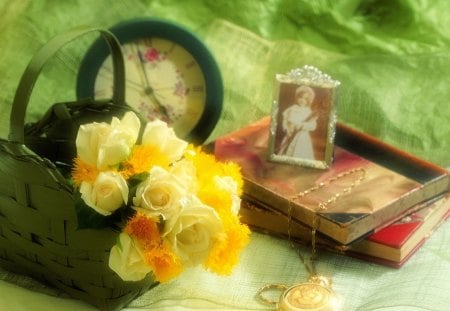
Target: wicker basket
<point>38,222</point>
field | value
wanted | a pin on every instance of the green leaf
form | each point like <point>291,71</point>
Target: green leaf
<point>135,180</point>
<point>133,183</point>
<point>161,223</point>
<point>87,217</point>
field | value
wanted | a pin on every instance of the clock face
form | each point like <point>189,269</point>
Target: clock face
<point>163,81</point>
<point>169,75</point>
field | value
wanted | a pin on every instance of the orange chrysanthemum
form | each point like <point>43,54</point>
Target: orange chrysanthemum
<point>145,230</point>
<point>164,263</point>
<point>83,171</point>
<point>142,159</point>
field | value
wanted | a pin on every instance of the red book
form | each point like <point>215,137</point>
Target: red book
<point>394,244</point>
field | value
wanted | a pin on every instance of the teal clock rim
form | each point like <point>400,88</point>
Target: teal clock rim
<point>142,28</point>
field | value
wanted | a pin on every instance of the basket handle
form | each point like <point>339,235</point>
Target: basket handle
<point>31,73</point>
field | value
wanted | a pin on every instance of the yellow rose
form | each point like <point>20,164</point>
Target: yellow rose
<point>103,145</point>
<point>192,231</point>
<point>158,134</point>
<point>162,191</point>
<point>127,259</point>
<point>108,192</point>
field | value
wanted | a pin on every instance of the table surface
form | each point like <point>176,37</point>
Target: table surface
<point>394,85</point>
<point>421,284</point>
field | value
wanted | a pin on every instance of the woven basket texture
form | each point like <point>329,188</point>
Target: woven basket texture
<point>39,233</point>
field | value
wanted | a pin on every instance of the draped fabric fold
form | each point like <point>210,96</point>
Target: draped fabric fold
<point>392,58</point>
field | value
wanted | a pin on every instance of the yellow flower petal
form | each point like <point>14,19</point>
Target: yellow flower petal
<point>83,171</point>
<point>208,168</point>
<point>225,254</point>
<point>164,263</point>
<point>142,159</point>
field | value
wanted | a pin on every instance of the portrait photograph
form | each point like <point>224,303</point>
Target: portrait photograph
<point>303,122</point>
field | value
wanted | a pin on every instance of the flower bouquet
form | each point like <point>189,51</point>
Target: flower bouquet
<point>174,205</point>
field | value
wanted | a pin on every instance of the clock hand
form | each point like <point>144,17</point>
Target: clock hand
<point>161,108</point>
<point>134,84</point>
<point>138,87</point>
<point>148,90</point>
<point>142,67</point>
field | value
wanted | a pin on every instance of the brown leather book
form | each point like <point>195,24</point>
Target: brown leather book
<point>369,183</point>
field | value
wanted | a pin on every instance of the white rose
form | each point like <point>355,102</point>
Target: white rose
<point>185,171</point>
<point>192,231</point>
<point>162,191</point>
<point>127,259</point>
<point>103,145</point>
<point>158,134</point>
<point>108,192</point>
<point>89,139</point>
<point>229,184</point>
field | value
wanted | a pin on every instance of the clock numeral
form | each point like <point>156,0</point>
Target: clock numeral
<point>191,64</point>
<point>192,114</point>
<point>148,42</point>
<point>198,88</point>
<point>171,48</point>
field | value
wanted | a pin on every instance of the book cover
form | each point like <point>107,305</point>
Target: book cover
<point>398,241</point>
<point>391,245</point>
<point>393,181</point>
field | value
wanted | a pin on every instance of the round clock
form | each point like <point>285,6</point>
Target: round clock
<point>170,75</point>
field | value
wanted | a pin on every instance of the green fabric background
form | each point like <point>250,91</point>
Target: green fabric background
<point>392,58</point>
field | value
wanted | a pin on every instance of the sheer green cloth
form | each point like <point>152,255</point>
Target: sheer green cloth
<point>392,57</point>
<point>393,61</point>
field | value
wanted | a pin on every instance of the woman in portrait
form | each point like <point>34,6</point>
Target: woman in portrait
<point>298,120</point>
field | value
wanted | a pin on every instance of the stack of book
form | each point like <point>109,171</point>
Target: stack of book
<point>386,201</point>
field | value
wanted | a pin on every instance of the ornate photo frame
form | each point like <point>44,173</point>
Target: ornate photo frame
<point>303,119</point>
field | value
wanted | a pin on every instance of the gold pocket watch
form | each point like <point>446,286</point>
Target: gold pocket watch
<point>314,295</point>
<point>170,75</point>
